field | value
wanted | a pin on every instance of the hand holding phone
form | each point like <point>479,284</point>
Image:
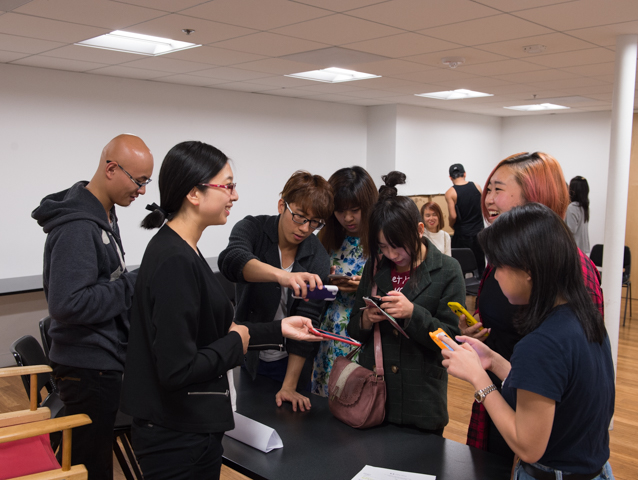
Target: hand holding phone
<point>458,309</point>
<point>327,293</point>
<point>334,336</point>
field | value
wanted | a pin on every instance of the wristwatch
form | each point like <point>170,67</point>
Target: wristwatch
<point>480,395</point>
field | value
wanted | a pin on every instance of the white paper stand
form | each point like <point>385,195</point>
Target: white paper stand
<point>376,473</point>
<point>255,434</point>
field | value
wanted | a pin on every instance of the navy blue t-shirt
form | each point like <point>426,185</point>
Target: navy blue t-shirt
<point>557,362</point>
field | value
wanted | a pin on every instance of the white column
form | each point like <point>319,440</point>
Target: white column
<point>618,182</point>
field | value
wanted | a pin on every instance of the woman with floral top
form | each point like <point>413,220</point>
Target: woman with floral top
<point>344,239</point>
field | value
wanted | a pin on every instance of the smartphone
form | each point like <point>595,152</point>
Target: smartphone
<point>442,339</point>
<point>327,293</point>
<point>334,336</point>
<point>374,302</point>
<point>334,276</point>
<point>459,310</point>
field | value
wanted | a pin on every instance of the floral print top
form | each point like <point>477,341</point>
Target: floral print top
<point>347,260</point>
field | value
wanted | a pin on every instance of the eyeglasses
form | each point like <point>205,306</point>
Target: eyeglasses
<point>301,220</point>
<point>229,186</point>
<point>139,184</point>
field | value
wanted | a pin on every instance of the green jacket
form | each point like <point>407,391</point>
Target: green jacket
<point>415,379</point>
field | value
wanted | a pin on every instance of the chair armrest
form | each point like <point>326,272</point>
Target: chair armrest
<point>18,432</point>
<point>33,369</point>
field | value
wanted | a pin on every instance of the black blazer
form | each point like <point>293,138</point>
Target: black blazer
<point>257,238</point>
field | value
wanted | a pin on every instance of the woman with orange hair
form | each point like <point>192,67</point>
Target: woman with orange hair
<point>517,180</point>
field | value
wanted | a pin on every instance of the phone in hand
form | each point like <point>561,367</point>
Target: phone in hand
<point>442,339</point>
<point>334,336</point>
<point>375,302</point>
<point>334,276</point>
<point>457,308</point>
<point>327,293</point>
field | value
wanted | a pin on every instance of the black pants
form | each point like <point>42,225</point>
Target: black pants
<point>97,394</point>
<point>471,242</point>
<point>168,454</point>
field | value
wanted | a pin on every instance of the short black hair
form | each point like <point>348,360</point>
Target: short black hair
<point>457,170</point>
<point>579,193</point>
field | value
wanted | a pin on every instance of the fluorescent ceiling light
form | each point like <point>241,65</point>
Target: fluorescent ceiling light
<point>534,108</point>
<point>136,43</point>
<point>333,75</point>
<point>454,94</point>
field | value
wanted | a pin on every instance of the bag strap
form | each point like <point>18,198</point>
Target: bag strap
<point>378,352</point>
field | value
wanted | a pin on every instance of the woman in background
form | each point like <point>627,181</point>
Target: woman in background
<point>558,388</point>
<point>434,223</point>
<point>577,217</point>
<point>415,282</point>
<point>344,239</point>
<point>183,339</point>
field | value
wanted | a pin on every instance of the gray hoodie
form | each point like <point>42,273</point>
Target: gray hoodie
<point>86,283</point>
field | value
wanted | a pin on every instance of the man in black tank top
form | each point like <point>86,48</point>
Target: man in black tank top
<point>464,205</point>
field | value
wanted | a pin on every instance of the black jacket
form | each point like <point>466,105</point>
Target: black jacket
<point>180,348</point>
<point>86,283</point>
<point>257,238</point>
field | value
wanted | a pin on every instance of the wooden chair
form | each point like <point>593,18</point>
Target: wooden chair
<point>24,434</point>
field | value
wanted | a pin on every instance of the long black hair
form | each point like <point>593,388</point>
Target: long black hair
<point>185,166</point>
<point>398,218</point>
<point>352,188</point>
<point>536,240</point>
<point>579,193</point>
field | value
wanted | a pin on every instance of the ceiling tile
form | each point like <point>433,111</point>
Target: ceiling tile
<point>438,76</point>
<point>334,57</point>
<point>6,57</point>
<point>127,72</point>
<point>596,91</point>
<point>569,83</point>
<point>165,5</point>
<point>511,88</point>
<point>190,80</point>
<point>206,31</point>
<point>291,92</point>
<point>338,30</point>
<point>390,67</point>
<point>340,5</point>
<point>574,59</point>
<point>382,83</point>
<point>605,35</point>
<point>537,76</point>
<point>319,87</point>
<point>13,43</point>
<point>258,14</point>
<point>555,43</point>
<point>230,73</point>
<point>58,63</point>
<point>509,6</point>
<point>277,66</point>
<point>169,65</point>
<point>371,93</point>
<point>284,82</point>
<point>472,56</point>
<point>591,13</point>
<point>96,13</point>
<point>45,29</point>
<point>486,30</point>
<point>270,44</point>
<point>88,54</point>
<point>402,45</point>
<point>412,88</point>
<point>417,14</point>
<point>499,68</point>
<point>214,56</point>
<point>242,87</point>
<point>592,70</point>
<point>365,102</point>
<point>480,84</point>
<point>8,5</point>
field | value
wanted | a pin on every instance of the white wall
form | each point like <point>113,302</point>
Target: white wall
<point>429,141</point>
<point>579,141</point>
<point>382,141</point>
<point>54,124</point>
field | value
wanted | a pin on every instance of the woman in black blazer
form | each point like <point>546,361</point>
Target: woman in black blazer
<point>183,339</point>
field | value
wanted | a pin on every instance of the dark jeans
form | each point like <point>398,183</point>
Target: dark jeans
<point>168,454</point>
<point>471,242</point>
<point>97,394</point>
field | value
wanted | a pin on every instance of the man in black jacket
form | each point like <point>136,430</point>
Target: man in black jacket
<point>89,290</point>
<point>272,258</point>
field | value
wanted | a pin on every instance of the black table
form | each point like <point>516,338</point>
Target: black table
<point>318,446</point>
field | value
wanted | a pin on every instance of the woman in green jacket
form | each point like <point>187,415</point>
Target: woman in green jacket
<point>415,282</point>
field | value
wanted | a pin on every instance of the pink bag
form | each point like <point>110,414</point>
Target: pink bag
<point>356,395</point>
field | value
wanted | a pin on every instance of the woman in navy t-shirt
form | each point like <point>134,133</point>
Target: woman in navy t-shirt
<point>558,391</point>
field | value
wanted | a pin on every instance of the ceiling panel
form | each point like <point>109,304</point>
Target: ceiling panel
<point>214,56</point>
<point>57,63</point>
<point>258,14</point>
<point>402,45</point>
<point>418,14</point>
<point>499,68</point>
<point>574,59</point>
<point>555,43</point>
<point>230,73</point>
<point>605,35</point>
<point>88,54</point>
<point>537,76</point>
<point>509,6</point>
<point>338,30</point>
<point>340,5</point>
<point>164,5</point>
<point>45,29</point>
<point>486,30</point>
<point>127,72</point>
<point>570,83</point>
<point>438,76</point>
<point>472,56</point>
<point>243,87</point>
<point>97,13</point>
<point>206,31</point>
<point>277,66</point>
<point>6,57</point>
<point>271,44</point>
<point>13,43</point>
<point>170,65</point>
<point>190,80</point>
<point>390,67</point>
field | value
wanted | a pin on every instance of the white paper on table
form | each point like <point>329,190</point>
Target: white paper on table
<point>255,434</point>
<point>376,473</point>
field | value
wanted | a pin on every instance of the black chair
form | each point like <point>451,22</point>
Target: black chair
<point>123,422</point>
<point>596,256</point>
<point>467,260</point>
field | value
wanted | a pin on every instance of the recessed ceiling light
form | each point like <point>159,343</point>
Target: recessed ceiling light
<point>333,75</point>
<point>540,106</point>
<point>136,43</point>
<point>454,94</point>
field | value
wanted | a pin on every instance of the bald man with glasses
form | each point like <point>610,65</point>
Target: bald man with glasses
<point>88,290</point>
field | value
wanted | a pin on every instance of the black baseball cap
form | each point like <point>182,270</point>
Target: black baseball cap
<point>457,168</point>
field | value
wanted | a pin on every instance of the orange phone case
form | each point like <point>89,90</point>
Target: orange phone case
<point>438,336</point>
